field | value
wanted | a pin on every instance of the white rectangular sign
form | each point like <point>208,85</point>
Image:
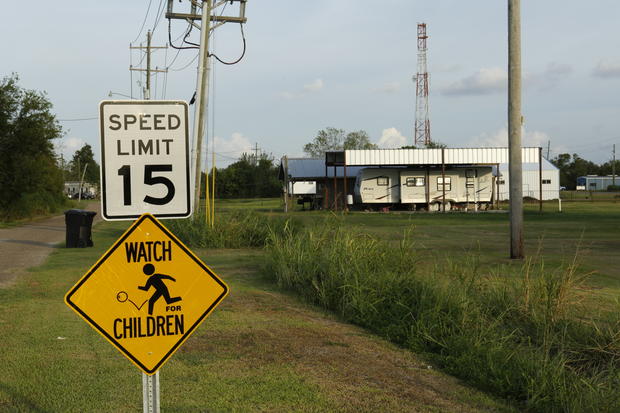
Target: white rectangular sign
<point>144,159</point>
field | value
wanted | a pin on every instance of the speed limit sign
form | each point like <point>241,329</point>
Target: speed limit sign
<point>144,159</point>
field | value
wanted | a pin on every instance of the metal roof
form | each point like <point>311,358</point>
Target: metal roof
<point>451,156</point>
<point>311,168</point>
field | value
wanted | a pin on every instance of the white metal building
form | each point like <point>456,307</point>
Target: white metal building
<point>533,174</point>
<point>532,181</point>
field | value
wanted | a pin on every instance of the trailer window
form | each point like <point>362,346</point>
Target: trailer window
<point>447,186</point>
<point>546,181</point>
<point>415,181</point>
<point>501,182</point>
<point>382,181</point>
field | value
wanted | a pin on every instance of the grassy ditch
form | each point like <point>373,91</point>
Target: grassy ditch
<point>527,338</point>
<point>260,350</point>
<point>236,229</point>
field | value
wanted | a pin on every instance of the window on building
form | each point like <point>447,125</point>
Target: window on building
<point>447,185</point>
<point>382,181</point>
<point>501,182</point>
<point>546,181</point>
<point>415,181</point>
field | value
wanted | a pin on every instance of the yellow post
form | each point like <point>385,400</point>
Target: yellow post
<point>213,191</point>
<point>207,202</point>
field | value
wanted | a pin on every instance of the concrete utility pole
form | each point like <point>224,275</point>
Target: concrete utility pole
<point>202,83</point>
<point>202,89</point>
<point>147,91</point>
<point>514,129</point>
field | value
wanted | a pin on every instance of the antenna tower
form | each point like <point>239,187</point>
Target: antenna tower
<point>422,133</point>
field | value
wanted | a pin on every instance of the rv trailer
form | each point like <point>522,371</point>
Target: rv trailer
<point>425,188</point>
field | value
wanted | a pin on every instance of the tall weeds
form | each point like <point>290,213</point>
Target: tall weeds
<point>525,338</point>
<point>239,229</point>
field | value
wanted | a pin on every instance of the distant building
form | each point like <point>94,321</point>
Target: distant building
<point>531,181</point>
<point>72,189</point>
<point>596,183</point>
<point>331,182</point>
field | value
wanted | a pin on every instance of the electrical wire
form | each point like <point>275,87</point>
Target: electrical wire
<point>240,57</point>
<point>158,16</point>
<point>187,65</point>
<point>186,34</point>
<point>144,21</point>
<point>76,119</point>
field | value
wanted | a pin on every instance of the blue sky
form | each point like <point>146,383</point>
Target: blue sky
<point>341,63</point>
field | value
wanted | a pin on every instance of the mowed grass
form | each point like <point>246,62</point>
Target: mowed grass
<point>260,350</point>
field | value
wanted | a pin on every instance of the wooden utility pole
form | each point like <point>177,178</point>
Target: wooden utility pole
<point>146,92</point>
<point>613,167</point>
<point>514,129</point>
<point>202,84</point>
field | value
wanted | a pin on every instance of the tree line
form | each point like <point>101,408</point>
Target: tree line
<point>32,176</point>
<point>573,166</point>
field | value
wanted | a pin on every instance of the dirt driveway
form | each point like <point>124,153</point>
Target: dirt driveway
<point>28,245</point>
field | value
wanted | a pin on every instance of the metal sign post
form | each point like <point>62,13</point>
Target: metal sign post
<point>150,393</point>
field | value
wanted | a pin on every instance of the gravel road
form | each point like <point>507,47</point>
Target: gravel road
<point>28,245</point>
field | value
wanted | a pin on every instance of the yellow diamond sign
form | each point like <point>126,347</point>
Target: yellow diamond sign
<point>147,294</point>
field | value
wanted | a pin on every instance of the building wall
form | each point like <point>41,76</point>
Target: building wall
<point>531,179</point>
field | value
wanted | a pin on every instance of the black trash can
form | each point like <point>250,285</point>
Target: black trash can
<point>79,225</point>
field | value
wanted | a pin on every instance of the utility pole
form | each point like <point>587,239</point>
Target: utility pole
<point>146,92</point>
<point>256,154</point>
<point>202,83</point>
<point>613,167</point>
<point>548,148</point>
<point>514,129</point>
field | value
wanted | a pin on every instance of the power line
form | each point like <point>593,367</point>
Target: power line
<point>187,65</point>
<point>242,53</point>
<point>76,119</point>
<point>158,16</point>
<point>144,21</point>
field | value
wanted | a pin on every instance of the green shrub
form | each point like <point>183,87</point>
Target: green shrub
<point>239,229</point>
<point>524,338</point>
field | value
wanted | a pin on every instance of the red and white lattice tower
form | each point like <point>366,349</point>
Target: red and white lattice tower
<point>422,133</point>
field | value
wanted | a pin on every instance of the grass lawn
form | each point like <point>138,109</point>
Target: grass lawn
<point>260,350</point>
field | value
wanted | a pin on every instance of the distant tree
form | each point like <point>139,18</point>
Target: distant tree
<point>358,140</point>
<point>436,145</point>
<point>30,179</point>
<point>572,167</point>
<point>249,177</point>
<point>432,145</point>
<point>83,162</point>
<point>607,168</point>
<point>332,139</point>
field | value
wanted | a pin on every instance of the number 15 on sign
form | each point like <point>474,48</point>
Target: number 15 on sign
<point>144,159</point>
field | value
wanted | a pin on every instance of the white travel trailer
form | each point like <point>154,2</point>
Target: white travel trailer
<point>457,187</point>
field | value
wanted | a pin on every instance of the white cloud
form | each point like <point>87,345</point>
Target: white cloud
<point>391,87</point>
<point>500,139</point>
<point>391,138</point>
<point>313,87</point>
<point>67,146</point>
<point>484,82</point>
<point>233,146</point>
<point>607,69</point>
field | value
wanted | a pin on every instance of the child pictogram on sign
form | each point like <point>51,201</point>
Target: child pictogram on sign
<point>157,281</point>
